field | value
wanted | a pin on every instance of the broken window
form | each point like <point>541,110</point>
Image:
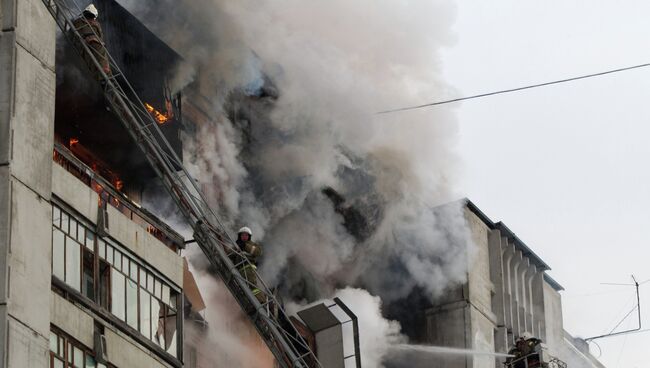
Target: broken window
<point>157,323</point>
<point>170,330</point>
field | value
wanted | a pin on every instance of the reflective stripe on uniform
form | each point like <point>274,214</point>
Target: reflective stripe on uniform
<point>250,265</point>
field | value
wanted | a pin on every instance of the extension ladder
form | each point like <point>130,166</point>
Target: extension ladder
<point>275,328</point>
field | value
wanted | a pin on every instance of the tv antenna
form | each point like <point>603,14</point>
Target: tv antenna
<point>637,308</point>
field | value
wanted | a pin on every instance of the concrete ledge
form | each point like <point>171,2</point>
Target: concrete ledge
<point>123,353</point>
<point>7,78</point>
<point>30,254</point>
<point>8,14</point>
<point>24,347</point>
<point>3,335</point>
<point>5,225</point>
<point>74,193</point>
<point>32,127</point>
<point>146,246</point>
<point>72,320</point>
<point>34,27</point>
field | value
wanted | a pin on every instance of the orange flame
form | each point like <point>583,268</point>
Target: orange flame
<point>159,116</point>
<point>73,141</point>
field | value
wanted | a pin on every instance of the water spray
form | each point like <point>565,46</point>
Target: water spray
<point>446,350</point>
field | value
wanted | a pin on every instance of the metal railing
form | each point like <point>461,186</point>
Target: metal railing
<point>275,328</point>
<point>535,360</point>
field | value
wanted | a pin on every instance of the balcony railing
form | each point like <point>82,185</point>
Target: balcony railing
<point>107,194</point>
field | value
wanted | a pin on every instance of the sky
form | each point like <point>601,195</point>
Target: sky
<point>565,166</point>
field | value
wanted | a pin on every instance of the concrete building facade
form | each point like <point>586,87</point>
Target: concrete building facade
<point>88,278</point>
<point>507,293</point>
<point>27,82</point>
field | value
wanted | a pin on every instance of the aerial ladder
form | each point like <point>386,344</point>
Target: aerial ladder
<point>269,318</point>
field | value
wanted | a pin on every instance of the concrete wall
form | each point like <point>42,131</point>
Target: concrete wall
<point>124,352</point>
<point>72,320</point>
<point>447,325</point>
<point>464,318</point>
<point>27,82</point>
<point>75,193</point>
<point>482,319</point>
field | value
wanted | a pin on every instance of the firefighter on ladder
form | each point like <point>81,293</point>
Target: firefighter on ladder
<point>91,31</point>
<point>525,353</point>
<point>252,251</point>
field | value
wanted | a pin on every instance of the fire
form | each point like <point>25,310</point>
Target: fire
<point>73,141</point>
<point>159,116</point>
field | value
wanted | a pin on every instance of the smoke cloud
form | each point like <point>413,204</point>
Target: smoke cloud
<point>225,337</point>
<point>379,334</point>
<point>336,194</point>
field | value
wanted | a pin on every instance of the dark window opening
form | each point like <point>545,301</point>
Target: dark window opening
<point>88,278</point>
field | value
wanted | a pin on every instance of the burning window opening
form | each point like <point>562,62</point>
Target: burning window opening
<point>80,110</point>
<point>108,195</point>
<point>159,116</point>
<point>97,165</point>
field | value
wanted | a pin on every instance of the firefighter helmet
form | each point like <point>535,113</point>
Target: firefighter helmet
<point>92,10</point>
<point>245,230</point>
<point>527,336</point>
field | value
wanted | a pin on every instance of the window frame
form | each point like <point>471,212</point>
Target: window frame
<point>67,342</point>
<point>128,261</point>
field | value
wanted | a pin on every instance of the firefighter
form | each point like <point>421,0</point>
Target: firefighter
<point>91,31</point>
<point>526,352</point>
<point>515,360</point>
<point>252,251</point>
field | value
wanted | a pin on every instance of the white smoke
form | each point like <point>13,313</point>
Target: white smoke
<point>378,333</point>
<point>229,339</point>
<point>334,64</point>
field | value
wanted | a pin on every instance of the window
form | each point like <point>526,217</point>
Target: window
<point>67,353</point>
<point>88,276</point>
<point>117,294</point>
<point>72,263</point>
<point>132,303</point>
<point>104,283</point>
<point>129,290</point>
<point>72,253</point>
<point>58,254</point>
